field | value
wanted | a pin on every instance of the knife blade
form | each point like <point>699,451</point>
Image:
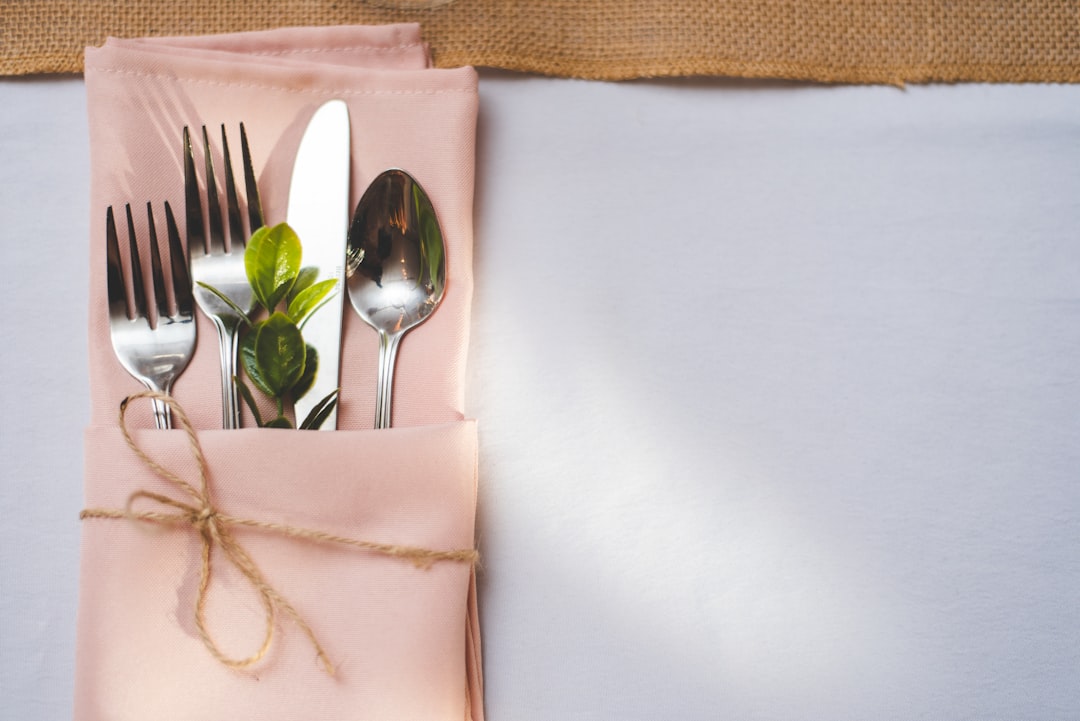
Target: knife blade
<point>319,213</point>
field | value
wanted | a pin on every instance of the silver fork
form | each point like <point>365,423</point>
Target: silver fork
<point>218,264</point>
<point>153,350</point>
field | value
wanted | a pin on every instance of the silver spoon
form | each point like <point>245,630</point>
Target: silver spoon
<point>395,268</point>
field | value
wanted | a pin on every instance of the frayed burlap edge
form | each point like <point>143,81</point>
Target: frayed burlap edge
<point>833,41</point>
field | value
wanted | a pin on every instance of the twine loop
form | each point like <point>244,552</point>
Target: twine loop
<point>215,530</point>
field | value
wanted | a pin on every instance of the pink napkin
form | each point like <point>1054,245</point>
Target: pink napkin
<point>404,640</point>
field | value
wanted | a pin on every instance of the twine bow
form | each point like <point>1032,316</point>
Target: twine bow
<point>215,530</point>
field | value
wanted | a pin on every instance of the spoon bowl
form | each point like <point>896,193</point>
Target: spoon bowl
<point>395,268</point>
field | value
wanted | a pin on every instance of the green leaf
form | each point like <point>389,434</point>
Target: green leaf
<point>279,353</point>
<point>249,362</point>
<point>311,367</point>
<point>304,279</point>
<point>310,299</point>
<point>272,261</point>
<point>245,393</point>
<point>318,415</point>
<point>279,422</point>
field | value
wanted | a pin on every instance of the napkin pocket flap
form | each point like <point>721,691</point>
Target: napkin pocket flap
<point>394,630</point>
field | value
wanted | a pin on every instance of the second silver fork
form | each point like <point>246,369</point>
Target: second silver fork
<point>220,264</point>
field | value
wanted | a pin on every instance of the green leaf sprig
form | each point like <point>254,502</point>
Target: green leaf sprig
<point>273,353</point>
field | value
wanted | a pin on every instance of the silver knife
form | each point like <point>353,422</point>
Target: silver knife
<point>319,213</point>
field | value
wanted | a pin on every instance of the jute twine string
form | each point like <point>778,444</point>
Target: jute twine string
<point>214,527</point>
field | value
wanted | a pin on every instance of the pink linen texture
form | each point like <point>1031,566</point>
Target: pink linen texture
<point>404,640</point>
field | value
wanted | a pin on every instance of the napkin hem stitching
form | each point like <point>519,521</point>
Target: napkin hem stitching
<point>345,48</point>
<point>165,76</point>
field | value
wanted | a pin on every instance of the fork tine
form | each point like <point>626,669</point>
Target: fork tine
<point>114,272</point>
<point>232,202</point>
<point>213,203</point>
<point>179,262</point>
<point>225,271</point>
<point>137,287</point>
<point>154,351</point>
<point>157,276</point>
<point>196,236</point>
<point>251,188</point>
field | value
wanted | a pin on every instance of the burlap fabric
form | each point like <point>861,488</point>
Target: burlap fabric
<point>858,41</point>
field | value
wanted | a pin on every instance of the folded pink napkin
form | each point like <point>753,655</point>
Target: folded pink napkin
<point>403,639</point>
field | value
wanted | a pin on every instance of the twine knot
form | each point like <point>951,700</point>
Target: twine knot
<point>205,521</point>
<point>214,527</point>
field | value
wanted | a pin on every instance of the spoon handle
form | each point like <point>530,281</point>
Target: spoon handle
<point>388,345</point>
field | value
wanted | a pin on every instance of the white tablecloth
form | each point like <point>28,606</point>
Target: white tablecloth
<point>779,392</point>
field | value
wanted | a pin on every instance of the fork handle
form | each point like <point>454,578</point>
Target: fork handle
<point>230,405</point>
<point>162,411</point>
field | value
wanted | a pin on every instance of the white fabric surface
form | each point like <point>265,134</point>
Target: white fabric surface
<point>779,393</point>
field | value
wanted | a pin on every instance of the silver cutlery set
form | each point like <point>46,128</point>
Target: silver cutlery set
<point>390,259</point>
